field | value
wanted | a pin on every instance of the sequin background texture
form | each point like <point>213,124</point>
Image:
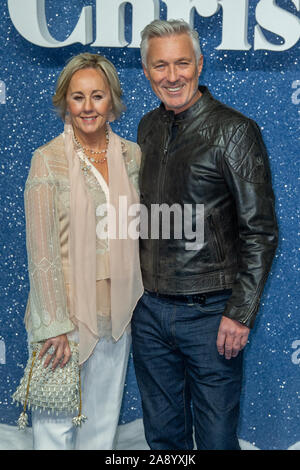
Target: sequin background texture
<point>257,83</point>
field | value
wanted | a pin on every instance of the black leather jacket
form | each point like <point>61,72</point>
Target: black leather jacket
<point>209,154</point>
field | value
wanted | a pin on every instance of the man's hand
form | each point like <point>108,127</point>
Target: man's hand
<point>62,351</point>
<point>232,337</point>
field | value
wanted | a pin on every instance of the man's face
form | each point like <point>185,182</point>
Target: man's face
<point>173,72</point>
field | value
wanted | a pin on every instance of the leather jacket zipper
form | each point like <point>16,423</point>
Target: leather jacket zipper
<point>161,178</point>
<point>217,243</point>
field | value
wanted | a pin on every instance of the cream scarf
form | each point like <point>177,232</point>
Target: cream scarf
<point>125,273</point>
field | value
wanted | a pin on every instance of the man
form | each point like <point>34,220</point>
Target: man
<point>192,323</point>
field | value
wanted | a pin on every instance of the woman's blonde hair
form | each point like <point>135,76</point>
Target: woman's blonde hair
<point>87,61</point>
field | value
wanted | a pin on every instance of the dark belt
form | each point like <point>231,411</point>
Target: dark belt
<point>190,299</point>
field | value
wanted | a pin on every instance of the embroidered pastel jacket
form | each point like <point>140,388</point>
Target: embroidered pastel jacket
<point>47,211</point>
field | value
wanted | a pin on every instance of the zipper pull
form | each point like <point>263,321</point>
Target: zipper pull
<point>166,143</point>
<point>164,159</point>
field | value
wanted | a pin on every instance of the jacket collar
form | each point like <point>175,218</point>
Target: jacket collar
<point>197,108</point>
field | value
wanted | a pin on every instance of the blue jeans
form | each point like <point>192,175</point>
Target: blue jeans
<point>183,381</point>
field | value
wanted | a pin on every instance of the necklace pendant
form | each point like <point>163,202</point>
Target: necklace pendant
<point>85,168</point>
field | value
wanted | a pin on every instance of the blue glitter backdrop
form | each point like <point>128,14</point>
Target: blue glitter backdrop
<point>261,84</point>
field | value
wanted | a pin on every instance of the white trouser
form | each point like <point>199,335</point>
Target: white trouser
<point>103,377</point>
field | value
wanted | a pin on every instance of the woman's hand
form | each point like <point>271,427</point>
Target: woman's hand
<point>62,351</point>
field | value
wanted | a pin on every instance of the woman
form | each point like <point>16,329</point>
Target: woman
<point>84,285</point>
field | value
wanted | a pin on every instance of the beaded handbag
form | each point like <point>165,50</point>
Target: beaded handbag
<point>57,390</point>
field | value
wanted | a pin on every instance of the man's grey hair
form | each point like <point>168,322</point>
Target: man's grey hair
<point>163,28</point>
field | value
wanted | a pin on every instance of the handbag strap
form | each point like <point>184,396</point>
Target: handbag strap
<point>23,418</point>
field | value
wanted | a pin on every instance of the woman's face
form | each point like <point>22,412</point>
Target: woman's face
<point>88,102</point>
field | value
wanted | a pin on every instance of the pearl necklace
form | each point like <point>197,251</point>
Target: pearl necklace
<point>94,152</point>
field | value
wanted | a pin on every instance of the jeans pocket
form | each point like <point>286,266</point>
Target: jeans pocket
<point>137,312</point>
<point>214,304</point>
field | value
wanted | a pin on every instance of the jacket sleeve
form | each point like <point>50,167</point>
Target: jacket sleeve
<point>247,173</point>
<point>48,312</point>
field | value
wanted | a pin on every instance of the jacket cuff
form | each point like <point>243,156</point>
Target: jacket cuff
<point>55,329</point>
<point>244,315</point>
